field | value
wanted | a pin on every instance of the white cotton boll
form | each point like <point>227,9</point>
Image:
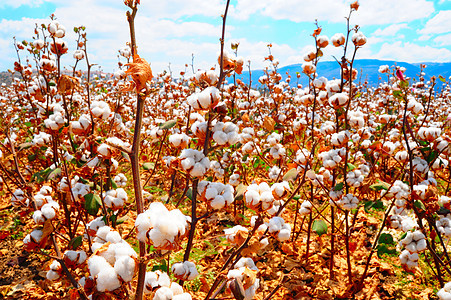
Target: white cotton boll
<point>96,264</point>
<point>187,163</point>
<point>163,293</point>
<point>52,275</point>
<point>252,197</point>
<point>412,247</point>
<point>176,288</point>
<point>218,202</point>
<point>421,245</point>
<point>442,294</point>
<point>404,257</point>
<point>150,282</point>
<point>275,224</point>
<point>125,268</point>
<point>184,296</point>
<point>107,280</point>
<point>417,235</point>
<point>49,210</point>
<point>113,237</point>
<point>38,218</point>
<point>198,170</point>
<point>284,233</point>
<point>102,232</point>
<point>220,137</point>
<point>163,279</point>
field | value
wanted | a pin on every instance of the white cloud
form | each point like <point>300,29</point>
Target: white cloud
<point>440,23</point>
<point>390,30</point>
<point>413,53</point>
<point>443,40</point>
<point>370,12</point>
<point>18,3</point>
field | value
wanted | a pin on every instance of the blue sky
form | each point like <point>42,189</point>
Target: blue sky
<point>170,31</point>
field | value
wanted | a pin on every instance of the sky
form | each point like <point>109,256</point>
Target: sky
<point>173,33</point>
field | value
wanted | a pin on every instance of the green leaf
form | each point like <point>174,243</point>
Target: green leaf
<point>404,84</point>
<point>381,185</point>
<point>419,204</point>
<point>51,83</point>
<point>168,124</point>
<point>397,93</point>
<point>125,155</point>
<point>76,242</point>
<point>121,220</point>
<point>189,193</point>
<point>290,175</point>
<point>442,79</point>
<point>383,249</point>
<point>338,186</point>
<point>75,29</point>
<point>55,174</point>
<point>148,166</point>
<point>351,167</point>
<point>41,176</point>
<point>92,203</point>
<point>25,146</point>
<point>386,238</point>
<point>320,227</point>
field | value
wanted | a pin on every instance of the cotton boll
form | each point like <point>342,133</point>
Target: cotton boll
<point>150,282</point>
<point>96,264</point>
<point>113,237</point>
<point>125,268</point>
<point>184,296</point>
<point>52,275</point>
<point>107,280</point>
<point>421,245</point>
<point>163,293</point>
<point>38,218</point>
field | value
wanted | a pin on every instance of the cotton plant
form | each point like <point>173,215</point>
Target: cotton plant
<point>245,271</point>
<point>162,228</point>
<point>113,261</point>
<point>160,287</point>
<point>216,194</point>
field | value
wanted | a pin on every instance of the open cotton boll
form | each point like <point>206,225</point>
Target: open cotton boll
<point>184,296</point>
<point>125,268</point>
<point>102,233</point>
<point>55,270</point>
<point>94,225</point>
<point>231,233</point>
<point>246,262</point>
<point>38,218</point>
<point>113,237</point>
<point>445,292</point>
<point>306,208</point>
<point>76,257</point>
<point>107,280</point>
<point>50,209</point>
<point>185,271</point>
<point>163,293</point>
<point>96,264</point>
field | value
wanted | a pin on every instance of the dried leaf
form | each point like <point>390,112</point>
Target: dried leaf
<point>269,123</point>
<point>140,71</point>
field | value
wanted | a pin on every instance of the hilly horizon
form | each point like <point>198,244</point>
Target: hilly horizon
<point>368,70</point>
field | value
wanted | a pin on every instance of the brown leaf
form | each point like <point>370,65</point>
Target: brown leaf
<point>269,123</point>
<point>68,84</point>
<point>140,71</point>
<point>249,277</point>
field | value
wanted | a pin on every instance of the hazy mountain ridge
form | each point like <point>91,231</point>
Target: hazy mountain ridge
<point>368,70</point>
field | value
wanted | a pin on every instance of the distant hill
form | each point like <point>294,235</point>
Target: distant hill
<point>368,70</point>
